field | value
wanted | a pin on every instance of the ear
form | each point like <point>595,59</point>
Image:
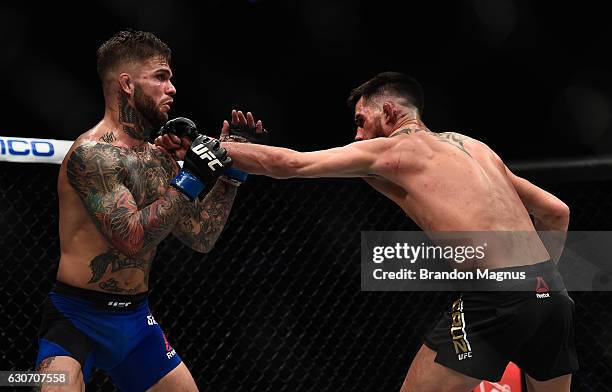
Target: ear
<point>126,83</point>
<point>389,112</point>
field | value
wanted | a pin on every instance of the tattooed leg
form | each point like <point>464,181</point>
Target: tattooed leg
<point>62,364</point>
<point>44,365</point>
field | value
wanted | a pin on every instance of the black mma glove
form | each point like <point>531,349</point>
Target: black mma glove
<point>205,161</point>
<point>242,134</point>
<point>180,126</point>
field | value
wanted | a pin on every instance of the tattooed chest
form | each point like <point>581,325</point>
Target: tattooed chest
<point>147,175</point>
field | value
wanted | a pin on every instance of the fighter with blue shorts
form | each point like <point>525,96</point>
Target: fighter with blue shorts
<point>119,196</point>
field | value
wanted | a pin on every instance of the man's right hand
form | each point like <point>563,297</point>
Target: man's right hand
<point>205,161</point>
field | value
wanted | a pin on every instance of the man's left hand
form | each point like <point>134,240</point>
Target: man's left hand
<point>176,137</point>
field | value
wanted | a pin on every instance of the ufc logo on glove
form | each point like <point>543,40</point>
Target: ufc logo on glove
<point>203,152</point>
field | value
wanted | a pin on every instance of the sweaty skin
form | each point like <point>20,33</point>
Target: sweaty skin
<point>442,181</point>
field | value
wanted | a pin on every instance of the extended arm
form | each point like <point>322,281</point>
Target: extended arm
<point>549,212</point>
<point>97,172</point>
<point>360,159</point>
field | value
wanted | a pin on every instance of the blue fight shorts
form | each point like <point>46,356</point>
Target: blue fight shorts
<point>116,333</point>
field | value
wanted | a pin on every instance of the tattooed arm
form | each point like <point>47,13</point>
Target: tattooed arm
<point>97,171</point>
<point>201,222</point>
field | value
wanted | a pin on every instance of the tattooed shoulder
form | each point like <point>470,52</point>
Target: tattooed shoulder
<point>454,139</point>
<point>93,163</point>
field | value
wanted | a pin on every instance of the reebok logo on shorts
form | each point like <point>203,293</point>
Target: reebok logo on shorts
<point>457,331</point>
<point>170,352</point>
<point>542,290</point>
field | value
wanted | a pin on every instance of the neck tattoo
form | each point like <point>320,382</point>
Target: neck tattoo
<point>131,121</point>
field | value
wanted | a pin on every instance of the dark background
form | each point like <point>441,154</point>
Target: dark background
<point>528,78</point>
<point>276,306</point>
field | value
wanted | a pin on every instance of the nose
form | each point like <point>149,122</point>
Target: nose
<point>171,90</point>
<point>359,134</point>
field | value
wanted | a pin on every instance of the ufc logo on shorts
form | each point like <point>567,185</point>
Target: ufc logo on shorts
<point>151,320</point>
<point>204,153</point>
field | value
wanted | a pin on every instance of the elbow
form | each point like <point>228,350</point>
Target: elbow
<point>559,214</point>
<point>130,245</point>
<point>203,245</point>
<point>202,248</point>
<point>563,213</point>
<point>127,235</point>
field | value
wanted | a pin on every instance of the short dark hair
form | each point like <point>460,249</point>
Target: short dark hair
<point>130,45</point>
<point>391,83</point>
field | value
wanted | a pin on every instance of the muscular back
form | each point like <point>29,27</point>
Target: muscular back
<point>449,182</point>
<point>110,210</point>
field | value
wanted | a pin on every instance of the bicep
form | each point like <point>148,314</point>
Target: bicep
<point>94,171</point>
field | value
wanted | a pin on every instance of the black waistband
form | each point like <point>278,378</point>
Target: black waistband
<point>98,298</point>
